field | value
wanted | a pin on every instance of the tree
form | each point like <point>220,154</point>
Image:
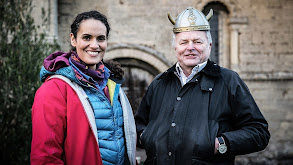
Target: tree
<point>23,47</point>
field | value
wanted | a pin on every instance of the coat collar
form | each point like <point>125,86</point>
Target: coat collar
<point>211,69</point>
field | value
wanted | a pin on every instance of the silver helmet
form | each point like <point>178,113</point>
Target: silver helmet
<point>191,20</point>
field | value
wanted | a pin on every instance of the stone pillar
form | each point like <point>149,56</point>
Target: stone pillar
<point>236,24</point>
<point>234,48</point>
<point>53,8</point>
<point>224,40</point>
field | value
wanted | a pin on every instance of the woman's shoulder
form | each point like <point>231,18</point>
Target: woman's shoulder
<point>54,86</point>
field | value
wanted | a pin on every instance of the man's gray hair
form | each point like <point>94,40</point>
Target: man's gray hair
<point>208,34</point>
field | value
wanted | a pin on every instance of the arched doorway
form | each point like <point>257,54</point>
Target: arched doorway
<point>219,52</point>
<point>137,78</point>
<point>141,64</point>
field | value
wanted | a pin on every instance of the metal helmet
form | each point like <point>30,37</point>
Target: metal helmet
<point>191,20</point>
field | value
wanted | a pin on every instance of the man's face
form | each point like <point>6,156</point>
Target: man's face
<point>192,48</point>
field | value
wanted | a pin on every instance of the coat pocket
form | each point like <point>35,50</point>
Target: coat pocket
<point>146,135</point>
<point>214,129</point>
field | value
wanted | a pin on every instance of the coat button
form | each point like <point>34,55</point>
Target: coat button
<point>173,124</point>
<point>210,89</point>
<point>178,98</point>
<point>170,153</point>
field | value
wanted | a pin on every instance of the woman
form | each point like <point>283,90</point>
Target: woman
<point>82,116</point>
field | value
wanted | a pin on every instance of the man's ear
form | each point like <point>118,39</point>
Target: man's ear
<point>174,45</point>
<point>72,40</point>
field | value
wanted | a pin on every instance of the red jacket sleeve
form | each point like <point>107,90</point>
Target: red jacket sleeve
<point>48,125</point>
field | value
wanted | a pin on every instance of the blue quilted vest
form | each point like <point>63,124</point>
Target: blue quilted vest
<point>109,121</point>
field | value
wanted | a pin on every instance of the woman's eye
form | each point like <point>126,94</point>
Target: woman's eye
<point>86,37</point>
<point>101,38</point>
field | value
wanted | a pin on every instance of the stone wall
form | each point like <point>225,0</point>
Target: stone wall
<point>256,41</point>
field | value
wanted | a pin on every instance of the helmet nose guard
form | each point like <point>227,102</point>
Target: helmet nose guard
<point>191,20</point>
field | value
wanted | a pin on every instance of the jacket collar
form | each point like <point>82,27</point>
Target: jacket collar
<point>211,69</point>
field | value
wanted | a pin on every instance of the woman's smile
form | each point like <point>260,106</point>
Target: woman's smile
<point>93,53</point>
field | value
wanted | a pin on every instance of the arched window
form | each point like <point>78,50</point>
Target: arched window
<point>217,24</point>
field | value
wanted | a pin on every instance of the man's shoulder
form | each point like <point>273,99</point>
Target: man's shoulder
<point>157,79</point>
<point>159,76</point>
<point>231,77</point>
<point>228,73</point>
<point>162,75</point>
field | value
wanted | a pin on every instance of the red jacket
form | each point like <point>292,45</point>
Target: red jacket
<point>61,133</point>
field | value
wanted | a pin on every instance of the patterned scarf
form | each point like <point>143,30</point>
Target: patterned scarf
<point>89,75</point>
<point>97,75</point>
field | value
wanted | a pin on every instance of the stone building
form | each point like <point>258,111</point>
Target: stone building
<point>252,37</point>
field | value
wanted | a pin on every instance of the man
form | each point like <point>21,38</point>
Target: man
<point>198,112</point>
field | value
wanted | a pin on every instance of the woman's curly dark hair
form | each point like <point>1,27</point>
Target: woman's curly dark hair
<point>89,15</point>
<point>115,68</point>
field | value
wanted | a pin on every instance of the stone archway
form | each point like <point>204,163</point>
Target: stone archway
<point>138,76</point>
<point>141,64</point>
<point>143,53</point>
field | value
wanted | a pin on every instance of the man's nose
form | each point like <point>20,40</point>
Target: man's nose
<point>190,46</point>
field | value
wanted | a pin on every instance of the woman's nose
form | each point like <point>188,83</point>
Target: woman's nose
<point>95,44</point>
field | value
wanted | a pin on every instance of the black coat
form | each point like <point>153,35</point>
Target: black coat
<point>180,124</point>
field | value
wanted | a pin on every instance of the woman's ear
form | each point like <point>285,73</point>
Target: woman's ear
<point>72,40</point>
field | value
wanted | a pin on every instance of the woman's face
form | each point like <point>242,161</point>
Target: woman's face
<point>90,42</point>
